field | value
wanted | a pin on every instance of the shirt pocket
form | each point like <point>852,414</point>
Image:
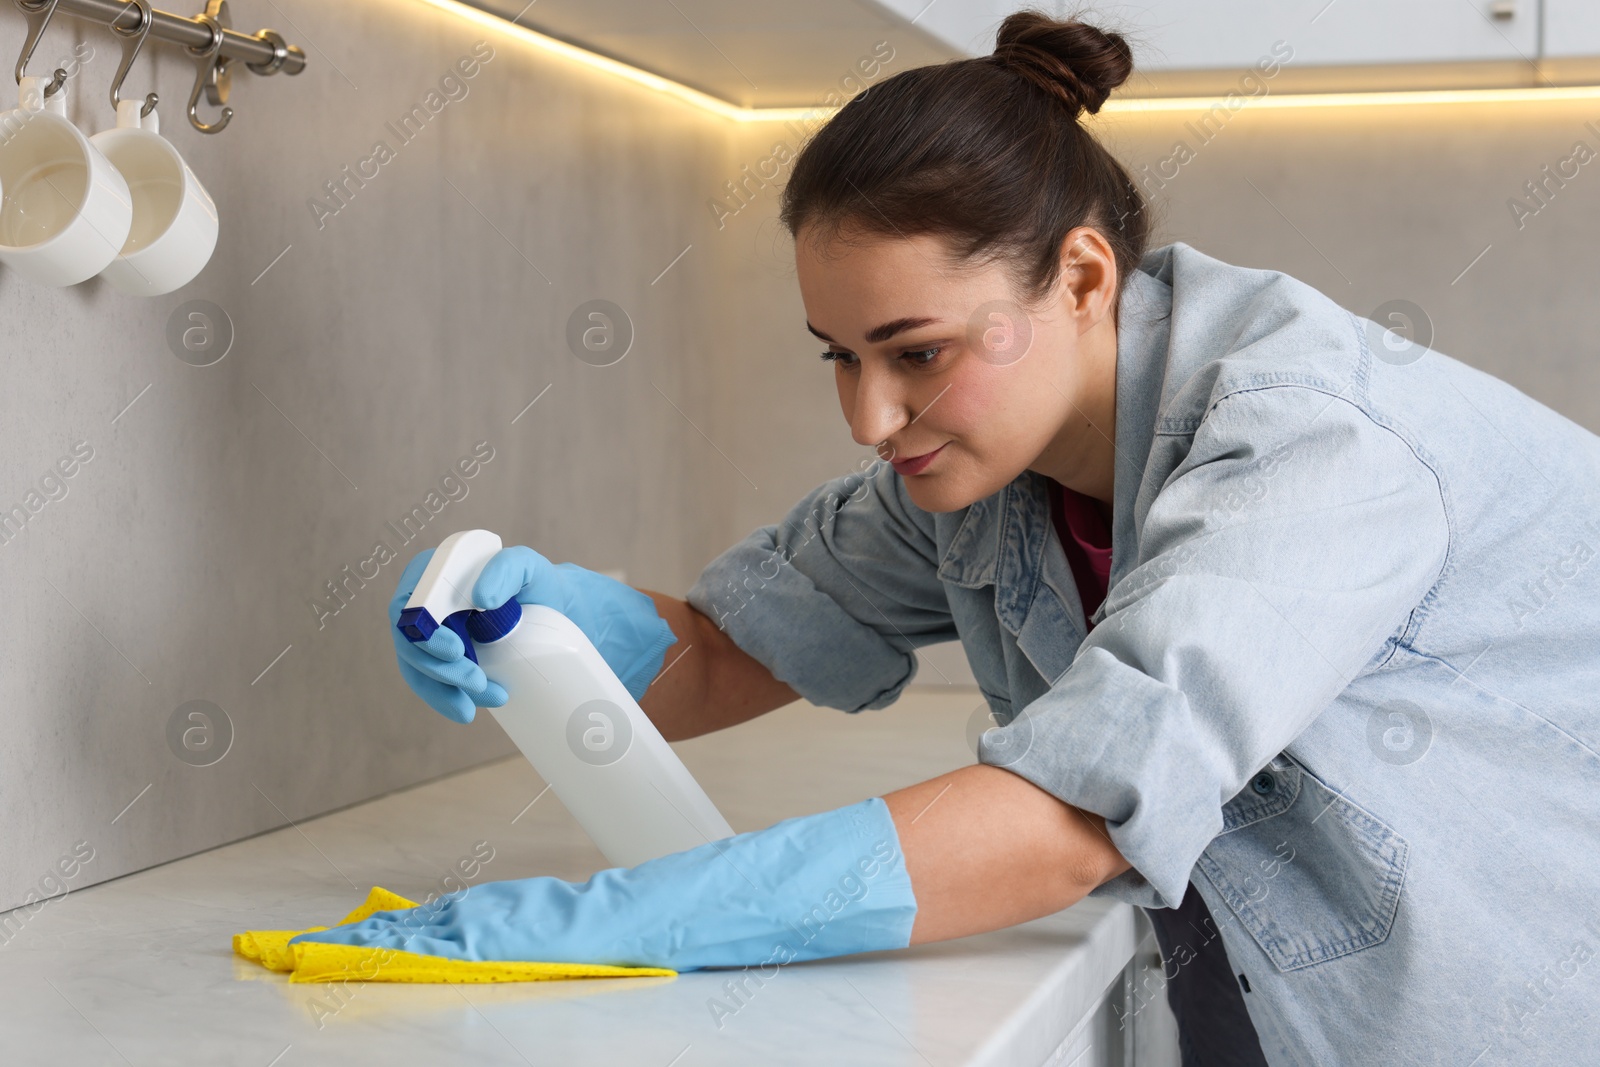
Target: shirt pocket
<point>1309,874</point>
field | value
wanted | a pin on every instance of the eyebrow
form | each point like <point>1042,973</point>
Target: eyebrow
<point>881,333</point>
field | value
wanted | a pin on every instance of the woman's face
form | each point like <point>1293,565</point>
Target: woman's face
<point>946,375</point>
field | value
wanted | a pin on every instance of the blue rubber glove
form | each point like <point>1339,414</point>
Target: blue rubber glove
<point>805,888</point>
<point>437,670</point>
<point>621,622</point>
<point>618,619</point>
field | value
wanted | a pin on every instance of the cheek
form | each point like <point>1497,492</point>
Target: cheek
<point>963,413</point>
<point>979,403</point>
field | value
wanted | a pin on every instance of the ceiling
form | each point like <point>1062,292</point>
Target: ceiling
<point>750,53</point>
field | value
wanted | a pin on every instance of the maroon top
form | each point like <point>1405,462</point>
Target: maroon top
<point>1204,996</point>
<point>1087,541</point>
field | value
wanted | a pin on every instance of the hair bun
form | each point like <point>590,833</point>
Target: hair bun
<point>1078,63</point>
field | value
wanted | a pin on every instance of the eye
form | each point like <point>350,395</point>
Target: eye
<point>921,357</point>
<point>843,358</point>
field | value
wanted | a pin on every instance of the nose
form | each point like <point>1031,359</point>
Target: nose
<point>879,406</point>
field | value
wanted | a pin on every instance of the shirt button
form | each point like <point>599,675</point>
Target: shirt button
<point>1264,783</point>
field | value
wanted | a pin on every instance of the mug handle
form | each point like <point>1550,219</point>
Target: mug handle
<point>129,116</point>
<point>31,96</point>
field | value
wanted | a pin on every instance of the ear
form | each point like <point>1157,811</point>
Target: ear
<point>1087,285</point>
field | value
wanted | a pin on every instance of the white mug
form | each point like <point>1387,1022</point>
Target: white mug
<point>174,219</point>
<point>66,211</point>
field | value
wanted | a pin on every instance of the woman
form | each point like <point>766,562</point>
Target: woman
<point>1309,675</point>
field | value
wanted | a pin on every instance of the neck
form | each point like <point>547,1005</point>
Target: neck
<point>1082,456</point>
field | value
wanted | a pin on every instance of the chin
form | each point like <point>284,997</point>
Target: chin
<point>963,485</point>
<point>940,492</point>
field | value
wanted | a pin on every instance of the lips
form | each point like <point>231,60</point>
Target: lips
<point>915,464</point>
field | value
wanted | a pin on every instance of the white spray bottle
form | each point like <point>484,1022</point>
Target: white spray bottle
<point>568,712</point>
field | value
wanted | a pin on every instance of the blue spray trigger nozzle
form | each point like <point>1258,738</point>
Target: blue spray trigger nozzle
<point>418,624</point>
<point>442,596</point>
<point>459,622</point>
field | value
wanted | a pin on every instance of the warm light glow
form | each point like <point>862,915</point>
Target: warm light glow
<point>1416,97</point>
<point>706,102</point>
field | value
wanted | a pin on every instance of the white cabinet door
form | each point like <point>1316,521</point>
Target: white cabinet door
<point>1203,34</point>
<point>1572,27</point>
<point>968,26</point>
<point>1198,34</point>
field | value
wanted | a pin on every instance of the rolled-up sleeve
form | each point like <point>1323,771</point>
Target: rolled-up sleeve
<point>1294,538</point>
<point>835,599</point>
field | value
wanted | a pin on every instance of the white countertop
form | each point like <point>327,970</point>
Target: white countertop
<point>140,970</point>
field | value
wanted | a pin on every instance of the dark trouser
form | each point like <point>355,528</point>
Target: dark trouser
<point>1214,1030</point>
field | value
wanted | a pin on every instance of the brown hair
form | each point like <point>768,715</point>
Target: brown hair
<point>985,152</point>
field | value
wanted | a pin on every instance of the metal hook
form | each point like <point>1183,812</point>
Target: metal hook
<point>57,80</point>
<point>132,41</point>
<point>212,73</point>
<point>38,14</point>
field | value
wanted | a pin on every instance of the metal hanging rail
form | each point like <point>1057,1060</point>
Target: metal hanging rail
<point>208,39</point>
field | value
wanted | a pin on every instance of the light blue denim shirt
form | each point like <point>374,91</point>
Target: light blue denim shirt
<point>1346,677</point>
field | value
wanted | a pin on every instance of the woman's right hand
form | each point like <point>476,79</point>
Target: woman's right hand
<point>438,670</point>
<point>619,620</point>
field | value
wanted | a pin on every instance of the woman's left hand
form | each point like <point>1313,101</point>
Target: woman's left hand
<point>811,887</point>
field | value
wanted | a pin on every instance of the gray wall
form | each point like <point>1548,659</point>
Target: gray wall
<point>382,346</point>
<point>423,317</point>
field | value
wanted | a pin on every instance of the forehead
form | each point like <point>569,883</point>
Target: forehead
<point>845,274</point>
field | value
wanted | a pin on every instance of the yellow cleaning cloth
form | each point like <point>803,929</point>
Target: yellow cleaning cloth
<point>317,962</point>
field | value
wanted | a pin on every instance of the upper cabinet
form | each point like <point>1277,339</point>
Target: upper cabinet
<point>1204,34</point>
<point>773,53</point>
<point>1200,46</point>
<point>1572,27</point>
<point>966,26</point>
